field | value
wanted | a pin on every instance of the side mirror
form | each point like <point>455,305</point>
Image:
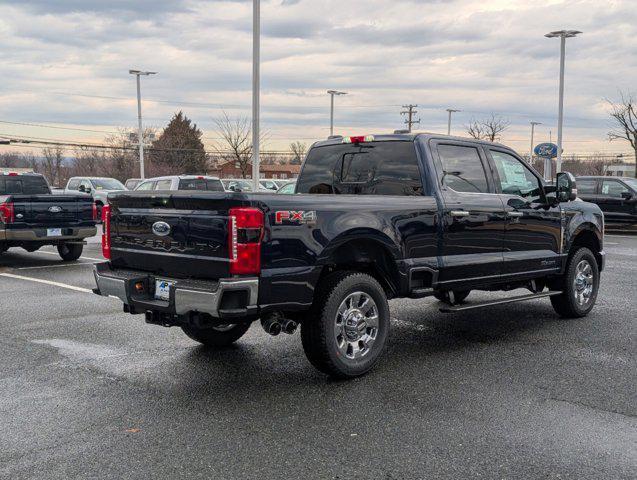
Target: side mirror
<point>82,188</point>
<point>627,195</point>
<point>566,187</point>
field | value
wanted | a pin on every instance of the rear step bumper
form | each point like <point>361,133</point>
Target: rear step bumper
<point>40,234</point>
<point>222,299</point>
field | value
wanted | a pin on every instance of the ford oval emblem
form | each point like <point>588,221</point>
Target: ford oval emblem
<point>55,209</point>
<point>161,229</point>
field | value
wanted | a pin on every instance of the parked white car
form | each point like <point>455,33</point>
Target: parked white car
<point>182,182</point>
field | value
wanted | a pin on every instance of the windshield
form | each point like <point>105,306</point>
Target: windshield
<point>107,184</point>
<point>631,182</point>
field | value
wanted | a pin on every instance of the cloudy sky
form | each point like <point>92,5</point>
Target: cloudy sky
<point>64,64</point>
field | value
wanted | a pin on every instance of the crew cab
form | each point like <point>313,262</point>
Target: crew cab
<point>31,216</point>
<point>182,182</point>
<point>373,218</point>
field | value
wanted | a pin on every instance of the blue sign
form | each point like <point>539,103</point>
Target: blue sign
<point>546,150</point>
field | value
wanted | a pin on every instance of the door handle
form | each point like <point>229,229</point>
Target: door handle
<point>515,214</point>
<point>459,213</point>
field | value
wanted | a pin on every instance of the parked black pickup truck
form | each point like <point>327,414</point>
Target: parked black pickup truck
<point>373,218</point>
<point>31,217</point>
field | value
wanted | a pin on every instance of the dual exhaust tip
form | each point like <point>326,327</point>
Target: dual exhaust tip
<point>275,323</point>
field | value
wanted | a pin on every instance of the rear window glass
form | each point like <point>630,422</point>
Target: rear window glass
<point>201,184</point>
<point>23,184</point>
<point>586,186</point>
<point>375,168</point>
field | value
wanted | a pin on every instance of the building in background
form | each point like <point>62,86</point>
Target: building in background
<point>232,170</point>
<point>620,170</point>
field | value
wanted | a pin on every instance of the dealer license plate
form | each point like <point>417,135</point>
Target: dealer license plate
<point>162,289</point>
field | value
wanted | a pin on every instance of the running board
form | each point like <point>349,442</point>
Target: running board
<point>522,298</point>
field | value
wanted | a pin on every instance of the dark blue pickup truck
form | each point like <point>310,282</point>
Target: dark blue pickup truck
<point>373,218</point>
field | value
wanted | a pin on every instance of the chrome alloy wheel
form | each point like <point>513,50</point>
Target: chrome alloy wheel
<point>584,282</point>
<point>356,325</point>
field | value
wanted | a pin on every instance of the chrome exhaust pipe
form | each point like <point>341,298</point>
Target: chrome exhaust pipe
<point>271,325</point>
<point>289,326</point>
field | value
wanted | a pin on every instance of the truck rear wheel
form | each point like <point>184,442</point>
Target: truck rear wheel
<point>218,336</point>
<point>579,286</point>
<point>70,252</point>
<point>350,325</point>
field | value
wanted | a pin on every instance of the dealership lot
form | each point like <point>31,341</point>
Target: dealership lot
<point>509,392</point>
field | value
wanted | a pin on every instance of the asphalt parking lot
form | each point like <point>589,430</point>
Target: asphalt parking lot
<point>87,391</point>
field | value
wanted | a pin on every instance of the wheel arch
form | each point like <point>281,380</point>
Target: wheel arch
<point>587,235</point>
<point>368,251</point>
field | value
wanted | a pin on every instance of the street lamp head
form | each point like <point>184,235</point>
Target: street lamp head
<point>141,72</point>
<point>537,123</point>
<point>563,33</point>
<point>336,92</point>
<point>451,110</point>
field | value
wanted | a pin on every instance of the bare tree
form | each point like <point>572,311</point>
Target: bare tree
<point>236,142</point>
<point>489,128</point>
<point>624,115</point>
<point>52,164</point>
<point>298,150</point>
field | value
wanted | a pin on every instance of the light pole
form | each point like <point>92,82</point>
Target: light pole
<point>140,133</point>
<point>256,90</point>
<point>563,35</point>
<point>450,110</point>
<point>332,94</point>
<point>533,124</point>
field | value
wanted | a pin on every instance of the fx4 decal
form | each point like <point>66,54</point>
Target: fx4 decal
<point>292,216</point>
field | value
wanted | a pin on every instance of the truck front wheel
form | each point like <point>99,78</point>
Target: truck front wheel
<point>349,327</point>
<point>218,336</point>
<point>579,285</point>
<point>70,252</point>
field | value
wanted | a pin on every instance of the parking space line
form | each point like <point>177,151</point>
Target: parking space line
<point>56,266</point>
<point>83,258</point>
<point>47,282</point>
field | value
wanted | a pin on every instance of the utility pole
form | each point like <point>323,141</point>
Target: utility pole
<point>562,35</point>
<point>256,87</point>
<point>450,110</point>
<point>533,124</point>
<point>332,94</point>
<point>410,112</point>
<point>140,130</point>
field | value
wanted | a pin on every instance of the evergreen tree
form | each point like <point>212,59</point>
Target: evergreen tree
<point>179,149</point>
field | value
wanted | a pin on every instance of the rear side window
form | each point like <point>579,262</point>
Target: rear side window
<point>27,185</point>
<point>163,184</point>
<point>462,169</point>
<point>375,168</point>
<point>192,184</point>
<point>145,186</point>
<point>586,187</point>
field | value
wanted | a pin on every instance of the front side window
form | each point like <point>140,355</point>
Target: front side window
<point>612,188</point>
<point>462,169</point>
<point>515,177</point>
<point>107,184</point>
<point>73,184</point>
<point>370,168</point>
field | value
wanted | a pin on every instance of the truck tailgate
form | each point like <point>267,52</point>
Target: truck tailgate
<point>173,234</point>
<point>51,210</point>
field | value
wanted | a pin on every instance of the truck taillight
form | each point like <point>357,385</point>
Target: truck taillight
<point>94,212</point>
<point>245,232</point>
<point>106,231</point>
<point>7,213</point>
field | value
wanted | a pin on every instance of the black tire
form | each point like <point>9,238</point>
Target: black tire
<point>321,334</point>
<point>459,296</point>
<point>569,303</point>
<point>70,252</point>
<point>221,336</point>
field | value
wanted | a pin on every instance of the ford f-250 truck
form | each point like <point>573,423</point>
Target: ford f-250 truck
<point>373,218</point>
<point>31,217</point>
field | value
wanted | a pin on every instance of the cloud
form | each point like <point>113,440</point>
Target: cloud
<point>469,54</point>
